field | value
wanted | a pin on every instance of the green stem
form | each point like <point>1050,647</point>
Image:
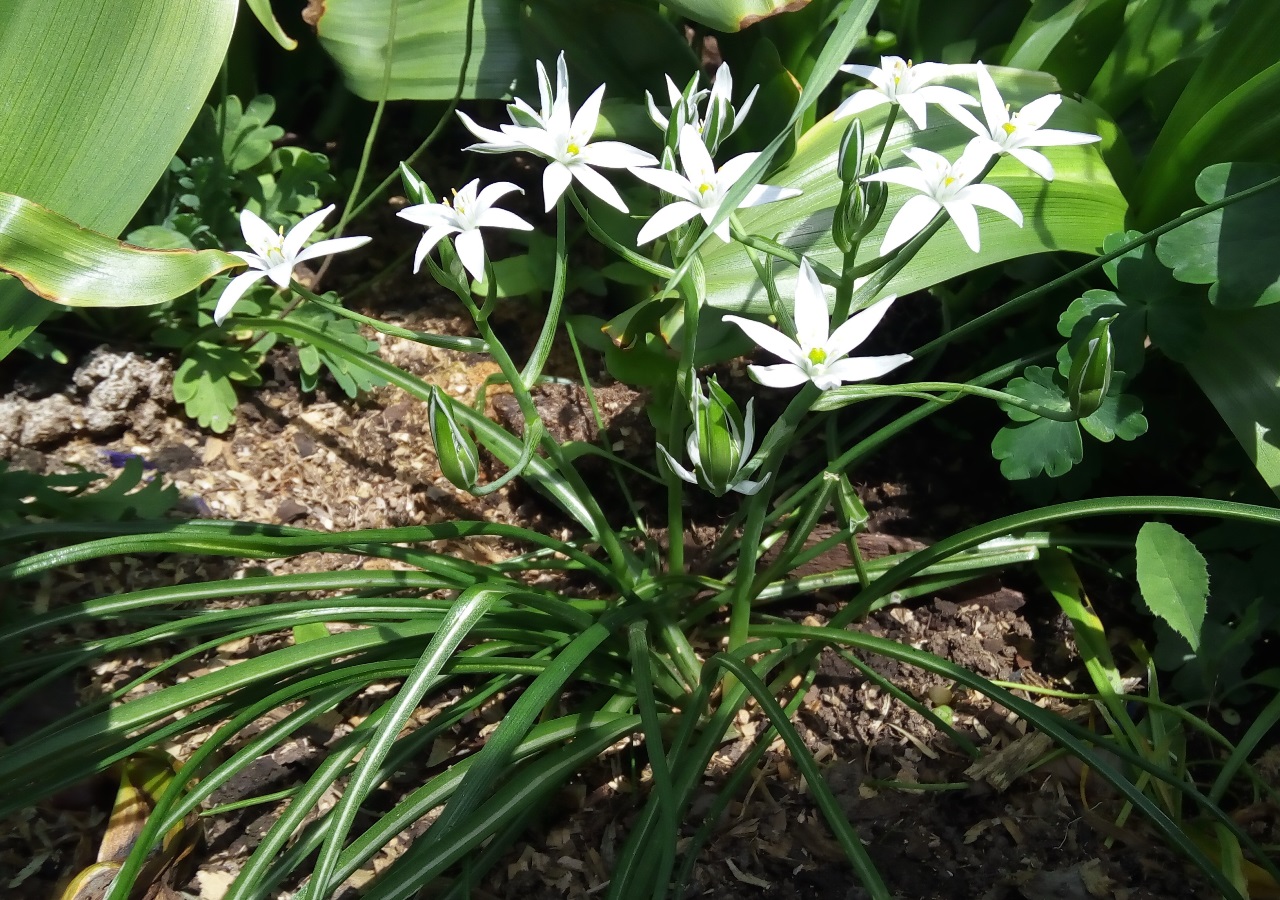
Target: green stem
<point>1023,300</point>
<point>443,341</point>
<point>640,262</point>
<point>542,349</point>
<point>849,394</point>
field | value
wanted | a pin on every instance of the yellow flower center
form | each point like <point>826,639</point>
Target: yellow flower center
<point>703,188</point>
<point>948,180</point>
<point>817,356</point>
<point>573,149</point>
<point>1009,127</point>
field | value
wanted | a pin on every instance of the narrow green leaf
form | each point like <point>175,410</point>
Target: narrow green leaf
<point>1174,579</point>
<point>262,10</point>
<point>731,15</point>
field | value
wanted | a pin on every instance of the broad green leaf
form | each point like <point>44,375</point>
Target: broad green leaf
<point>1234,249</point>
<point>126,78</point>
<point>1236,362</point>
<point>60,261</point>
<point>730,15</point>
<point>427,48</point>
<point>1230,111</point>
<point>1075,211</point>
<point>1173,578</point>
<point>627,46</point>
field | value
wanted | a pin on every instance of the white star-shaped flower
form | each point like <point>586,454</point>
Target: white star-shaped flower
<point>943,185</point>
<point>563,138</point>
<point>1015,133</point>
<point>819,355</point>
<point>719,120</point>
<point>275,254</point>
<point>464,216</point>
<point>899,81</point>
<point>702,188</point>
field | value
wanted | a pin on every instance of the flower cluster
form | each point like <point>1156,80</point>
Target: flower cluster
<point>720,441</point>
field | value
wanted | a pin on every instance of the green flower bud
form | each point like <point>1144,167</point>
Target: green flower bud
<point>455,448</point>
<point>1091,369</point>
<point>852,148</point>
<point>414,187</point>
<point>717,429</point>
<point>875,199</point>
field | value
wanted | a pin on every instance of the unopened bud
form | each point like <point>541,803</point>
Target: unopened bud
<point>1091,370</point>
<point>852,147</point>
<point>717,428</point>
<point>415,189</point>
<point>455,448</point>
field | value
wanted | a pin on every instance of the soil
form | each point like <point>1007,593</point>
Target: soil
<point>935,827</point>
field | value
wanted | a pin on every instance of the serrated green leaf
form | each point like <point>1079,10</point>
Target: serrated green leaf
<point>1120,416</point>
<point>236,134</point>
<point>1042,445</point>
<point>1128,330</point>
<point>58,260</point>
<point>1174,311</point>
<point>1233,248</point>
<point>352,379</point>
<point>203,383</point>
<point>295,185</point>
<point>1173,578</point>
<point>1039,385</point>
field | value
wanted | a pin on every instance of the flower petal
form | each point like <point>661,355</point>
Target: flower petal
<point>783,375</point>
<point>914,106</point>
<point>859,102</point>
<point>260,236</point>
<point>331,246</point>
<point>588,114</point>
<point>903,175</point>
<point>864,368</point>
<point>1037,112</point>
<point>252,259</point>
<point>671,182</point>
<point>495,141</point>
<point>966,219</point>
<point>681,472</point>
<point>1035,161</point>
<point>1052,137</point>
<point>501,218</point>
<point>761,194</point>
<point>770,339</point>
<point>694,157</point>
<point>993,108</point>
<point>495,192</point>
<point>615,155</point>
<point>813,321</point>
<point>856,329</point>
<point>670,216</point>
<point>909,221</point>
<point>299,234</point>
<point>428,214</point>
<point>598,185</point>
<point>991,197</point>
<point>233,292</point>
<point>555,178</point>
<point>429,240</point>
<point>470,247</point>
